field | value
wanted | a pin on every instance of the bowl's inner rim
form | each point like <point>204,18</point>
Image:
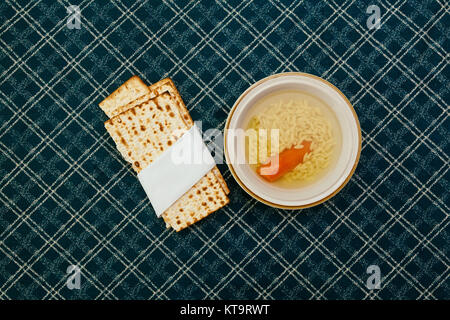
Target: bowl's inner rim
<point>346,160</point>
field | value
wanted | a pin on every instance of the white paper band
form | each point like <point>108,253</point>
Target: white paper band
<point>176,170</point>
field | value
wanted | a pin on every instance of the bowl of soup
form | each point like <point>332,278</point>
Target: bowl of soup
<point>292,140</point>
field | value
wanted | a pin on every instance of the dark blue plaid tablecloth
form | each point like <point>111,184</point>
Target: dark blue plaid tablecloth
<point>68,198</point>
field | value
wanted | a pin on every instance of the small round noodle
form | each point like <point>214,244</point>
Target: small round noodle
<point>297,121</point>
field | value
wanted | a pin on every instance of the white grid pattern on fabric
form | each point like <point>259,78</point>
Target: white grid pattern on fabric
<point>210,243</point>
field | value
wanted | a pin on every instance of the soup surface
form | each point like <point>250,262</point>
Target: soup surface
<point>298,130</point>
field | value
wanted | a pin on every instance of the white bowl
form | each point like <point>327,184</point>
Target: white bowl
<point>325,187</point>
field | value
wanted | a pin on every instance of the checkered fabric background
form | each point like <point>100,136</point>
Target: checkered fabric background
<point>68,198</point>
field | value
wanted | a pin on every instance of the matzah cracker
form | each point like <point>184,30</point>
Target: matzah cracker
<point>205,197</point>
<point>132,89</point>
<point>145,131</point>
<point>167,85</point>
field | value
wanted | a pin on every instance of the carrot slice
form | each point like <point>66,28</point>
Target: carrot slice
<point>285,161</point>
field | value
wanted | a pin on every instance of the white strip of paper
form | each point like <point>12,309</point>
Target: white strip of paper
<point>176,170</point>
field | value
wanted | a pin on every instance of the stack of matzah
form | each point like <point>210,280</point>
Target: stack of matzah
<point>142,123</point>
